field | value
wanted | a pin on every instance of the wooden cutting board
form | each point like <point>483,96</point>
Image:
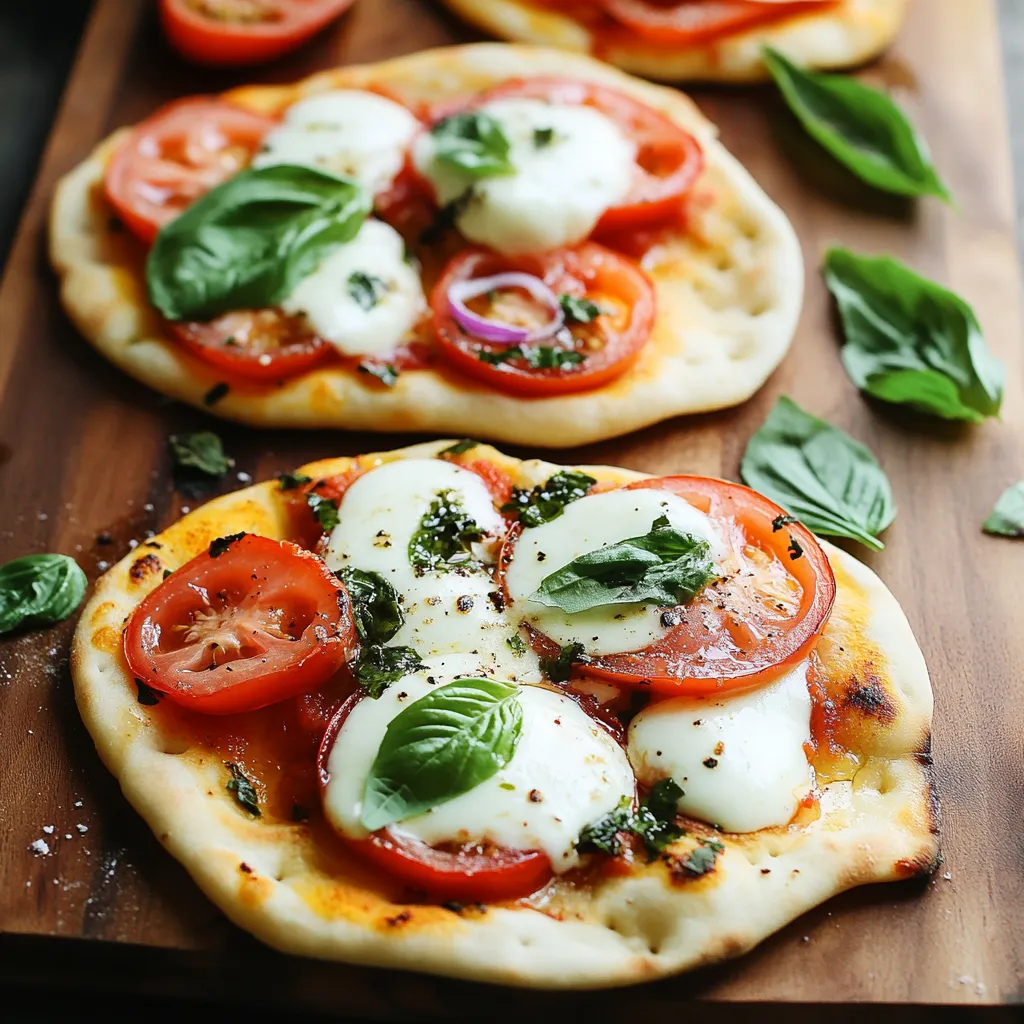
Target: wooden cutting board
<point>83,461</point>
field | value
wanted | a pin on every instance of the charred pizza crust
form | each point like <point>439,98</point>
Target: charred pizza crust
<point>852,33</point>
<point>279,880</point>
<point>729,290</point>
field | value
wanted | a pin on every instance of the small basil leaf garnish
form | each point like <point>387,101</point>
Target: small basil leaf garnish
<point>441,746</point>
<point>38,590</point>
<point>201,451</point>
<point>290,481</point>
<point>538,357</point>
<point>543,137</point>
<point>559,668</point>
<point>1007,518</point>
<point>379,667</point>
<point>220,545</point>
<point>516,644</point>
<point>386,373</point>
<point>460,447</point>
<point>366,290</point>
<point>247,243</point>
<point>911,341</point>
<point>860,126</point>
<point>653,822</point>
<point>445,537</point>
<point>579,311</point>
<point>324,509</point>
<point>375,607</point>
<point>472,142</point>
<point>243,790</point>
<point>546,501</point>
<point>664,566</point>
<point>831,482</point>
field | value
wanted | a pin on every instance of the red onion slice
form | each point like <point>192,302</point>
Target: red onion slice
<point>490,330</point>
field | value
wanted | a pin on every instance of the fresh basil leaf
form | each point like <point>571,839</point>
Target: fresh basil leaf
<point>539,357</point>
<point>559,668</point>
<point>579,311</point>
<point>324,509</point>
<point>831,482</point>
<point>366,290</point>
<point>910,341</point>
<point>653,822</point>
<point>221,544</point>
<point>546,501</point>
<point>37,590</point>
<point>445,537</point>
<point>243,789</point>
<point>1007,518</point>
<point>441,746</point>
<point>201,451</point>
<point>460,447</point>
<point>386,373</point>
<point>860,126</point>
<point>247,243</point>
<point>379,667</point>
<point>375,606</point>
<point>291,481</point>
<point>664,566</point>
<point>473,142</point>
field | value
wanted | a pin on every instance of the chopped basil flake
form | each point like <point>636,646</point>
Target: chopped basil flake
<point>780,521</point>
<point>291,481</point>
<point>543,137</point>
<point>460,447</point>
<point>516,644</point>
<point>375,606</point>
<point>386,373</point>
<point>653,822</point>
<point>325,510</point>
<point>221,544</point>
<point>546,501</point>
<point>579,310</point>
<point>365,289</point>
<point>445,536</point>
<point>538,357</point>
<point>243,790</point>
<point>559,668</point>
<point>378,667</point>
<point>216,393</point>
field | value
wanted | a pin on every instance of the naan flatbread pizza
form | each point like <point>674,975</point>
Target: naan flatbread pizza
<point>708,40</point>
<point>444,710</point>
<point>518,243</point>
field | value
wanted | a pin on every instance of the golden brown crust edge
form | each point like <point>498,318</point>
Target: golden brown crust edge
<point>853,34</point>
<point>881,827</point>
<point>729,292</point>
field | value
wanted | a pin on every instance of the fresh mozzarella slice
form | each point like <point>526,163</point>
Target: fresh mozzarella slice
<point>558,190</point>
<point>445,612</point>
<point>353,133</point>
<point>738,758</point>
<point>586,525</point>
<point>567,772</point>
<point>364,297</point>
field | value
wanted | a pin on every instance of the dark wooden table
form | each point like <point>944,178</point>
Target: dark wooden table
<point>80,409</point>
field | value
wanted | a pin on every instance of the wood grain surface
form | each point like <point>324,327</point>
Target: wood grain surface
<point>84,470</point>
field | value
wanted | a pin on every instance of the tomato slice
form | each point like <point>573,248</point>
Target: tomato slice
<point>237,629</point>
<point>471,872</point>
<point>230,33</point>
<point>668,162</point>
<point>177,155</point>
<point>259,344</point>
<point>694,22</point>
<point>608,344</point>
<point>743,631</point>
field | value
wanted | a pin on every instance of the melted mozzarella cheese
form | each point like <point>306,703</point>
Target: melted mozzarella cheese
<point>458,611</point>
<point>738,758</point>
<point>557,192</point>
<point>352,133</point>
<point>333,306</point>
<point>586,525</point>
<point>567,772</point>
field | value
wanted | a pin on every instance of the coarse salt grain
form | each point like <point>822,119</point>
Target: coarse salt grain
<point>40,847</point>
<point>82,829</point>
<point>48,829</point>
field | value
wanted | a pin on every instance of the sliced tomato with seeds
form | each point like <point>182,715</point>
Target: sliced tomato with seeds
<point>254,344</point>
<point>250,622</point>
<point>594,353</point>
<point>743,630</point>
<point>177,155</point>
<point>668,161</point>
<point>230,33</point>
<point>682,24</point>
<point>468,872</point>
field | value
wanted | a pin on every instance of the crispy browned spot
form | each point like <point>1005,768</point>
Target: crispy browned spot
<point>255,889</point>
<point>143,567</point>
<point>868,695</point>
<point>107,639</point>
<point>398,919</point>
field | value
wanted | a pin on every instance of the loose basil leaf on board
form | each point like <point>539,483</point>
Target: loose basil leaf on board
<point>832,483</point>
<point>860,126</point>
<point>474,143</point>
<point>1007,518</point>
<point>201,451</point>
<point>441,746</point>
<point>248,242</point>
<point>664,566</point>
<point>548,500</point>
<point>910,341</point>
<point>378,615</point>
<point>38,590</point>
